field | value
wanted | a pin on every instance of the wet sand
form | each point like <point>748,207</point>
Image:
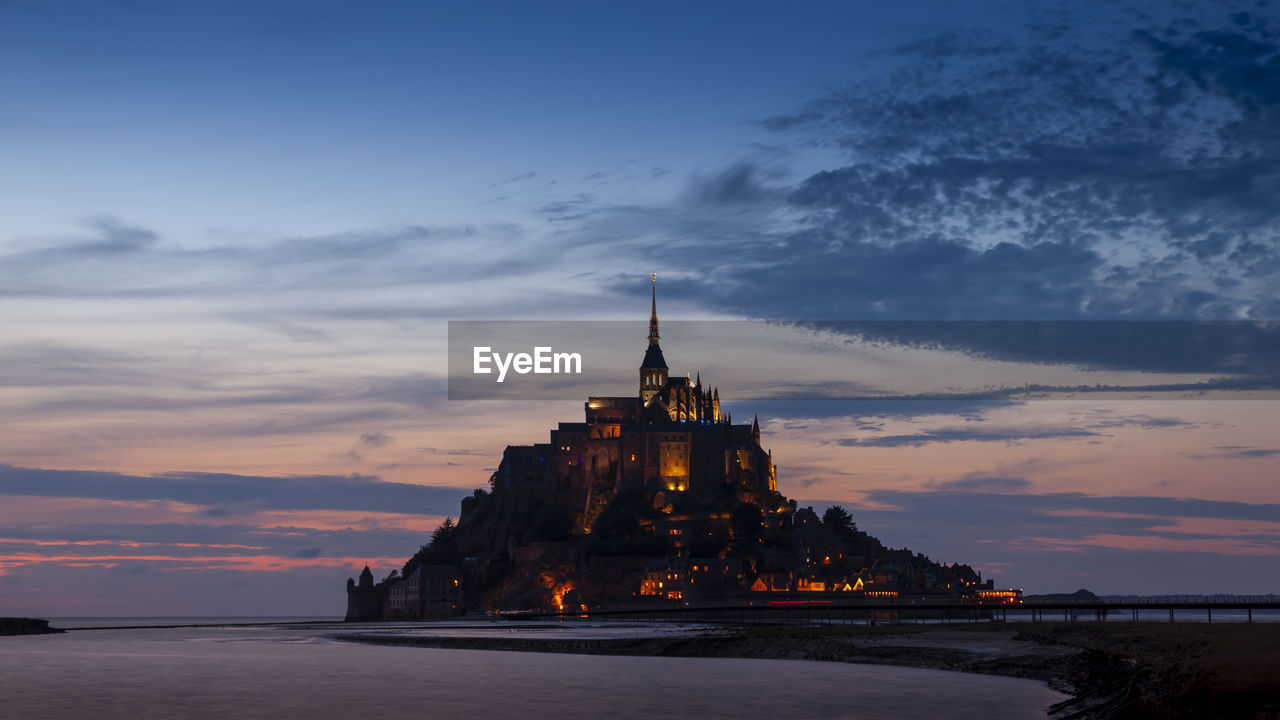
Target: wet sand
<point>1111,670</point>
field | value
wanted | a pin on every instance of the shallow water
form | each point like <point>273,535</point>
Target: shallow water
<point>69,623</point>
<point>296,671</point>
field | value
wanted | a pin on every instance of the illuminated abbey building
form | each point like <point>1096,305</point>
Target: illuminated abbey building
<point>670,440</point>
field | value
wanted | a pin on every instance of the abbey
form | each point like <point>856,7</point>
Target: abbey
<point>670,440</point>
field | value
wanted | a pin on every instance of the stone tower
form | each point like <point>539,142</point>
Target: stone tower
<point>365,601</point>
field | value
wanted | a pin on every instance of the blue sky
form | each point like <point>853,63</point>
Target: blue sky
<point>233,233</point>
<point>307,116</point>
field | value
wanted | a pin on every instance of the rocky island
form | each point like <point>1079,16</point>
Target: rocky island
<point>654,498</point>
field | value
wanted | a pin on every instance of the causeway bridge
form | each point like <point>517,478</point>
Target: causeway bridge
<point>845,612</point>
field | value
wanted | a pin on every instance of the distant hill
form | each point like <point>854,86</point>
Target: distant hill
<point>25,626</point>
<point>1079,596</point>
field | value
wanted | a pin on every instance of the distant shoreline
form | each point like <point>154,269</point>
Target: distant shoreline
<point>26,626</point>
<point>169,623</point>
<point>1157,670</point>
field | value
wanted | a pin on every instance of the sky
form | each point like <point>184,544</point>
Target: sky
<point>232,236</point>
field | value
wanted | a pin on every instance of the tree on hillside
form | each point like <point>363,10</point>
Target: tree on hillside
<point>838,519</point>
<point>443,535</point>
<point>439,550</point>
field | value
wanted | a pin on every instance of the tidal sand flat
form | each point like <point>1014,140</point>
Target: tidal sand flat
<point>1110,670</point>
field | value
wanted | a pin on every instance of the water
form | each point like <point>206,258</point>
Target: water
<point>297,671</point>
<point>537,630</point>
<point>70,623</point>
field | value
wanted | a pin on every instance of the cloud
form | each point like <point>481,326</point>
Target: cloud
<point>318,492</point>
<point>1226,347</point>
<point>574,208</point>
<point>961,434</point>
<point>199,390</point>
<point>1120,171</point>
<point>451,451</point>
<point>293,331</point>
<point>56,365</point>
<point>1238,453</point>
<point>366,441</point>
<point>119,261</point>
<point>113,236</point>
<point>515,178</point>
<point>953,45</point>
<point>976,482</point>
<point>180,540</point>
<point>1103,418</point>
<point>738,184</point>
<point>375,440</point>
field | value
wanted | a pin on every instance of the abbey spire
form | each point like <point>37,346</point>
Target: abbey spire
<point>653,371</point>
<point>653,312</point>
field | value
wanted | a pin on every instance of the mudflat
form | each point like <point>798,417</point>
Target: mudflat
<point>1111,670</point>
